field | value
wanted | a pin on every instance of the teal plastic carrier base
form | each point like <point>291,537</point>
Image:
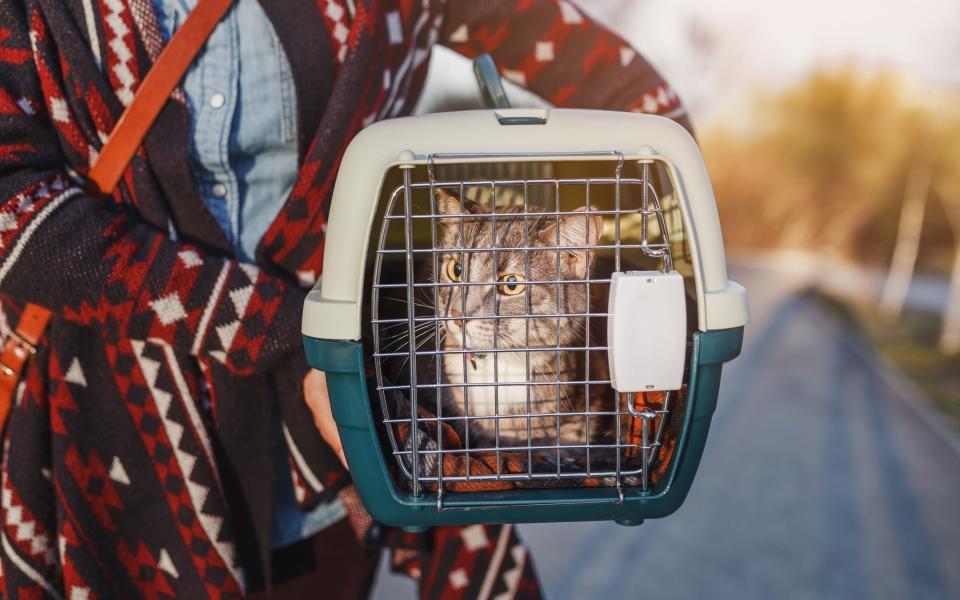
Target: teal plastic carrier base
<point>343,362</point>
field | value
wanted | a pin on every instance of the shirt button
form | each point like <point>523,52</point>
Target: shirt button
<point>219,190</point>
<point>218,100</point>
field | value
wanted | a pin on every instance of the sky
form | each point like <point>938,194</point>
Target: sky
<point>717,53</point>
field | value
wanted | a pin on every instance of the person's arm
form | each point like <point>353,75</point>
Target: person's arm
<point>318,401</point>
<point>94,263</point>
<point>556,51</point>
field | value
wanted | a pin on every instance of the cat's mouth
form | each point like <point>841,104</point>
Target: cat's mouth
<point>466,340</point>
<point>473,357</point>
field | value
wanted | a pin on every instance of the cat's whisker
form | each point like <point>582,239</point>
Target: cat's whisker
<point>395,341</point>
<point>403,334</point>
<point>404,326</point>
<point>394,299</point>
<point>517,344</point>
<point>418,325</point>
<point>404,301</point>
<point>406,359</point>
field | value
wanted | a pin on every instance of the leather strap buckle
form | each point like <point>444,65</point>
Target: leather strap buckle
<point>16,348</point>
<point>22,349</point>
<point>32,349</point>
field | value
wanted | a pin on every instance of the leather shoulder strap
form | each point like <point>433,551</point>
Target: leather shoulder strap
<point>153,93</point>
<point>18,346</point>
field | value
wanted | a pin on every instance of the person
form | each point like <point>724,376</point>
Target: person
<point>164,440</point>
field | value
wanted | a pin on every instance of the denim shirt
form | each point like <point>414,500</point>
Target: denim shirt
<point>242,101</point>
<point>243,156</point>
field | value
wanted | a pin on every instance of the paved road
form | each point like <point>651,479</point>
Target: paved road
<point>822,479</point>
<point>927,292</point>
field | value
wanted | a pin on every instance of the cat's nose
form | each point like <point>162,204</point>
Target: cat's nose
<point>456,314</point>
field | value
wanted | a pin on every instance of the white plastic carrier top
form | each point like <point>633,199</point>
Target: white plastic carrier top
<point>333,308</point>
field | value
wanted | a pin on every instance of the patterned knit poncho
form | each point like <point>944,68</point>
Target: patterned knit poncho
<point>136,460</point>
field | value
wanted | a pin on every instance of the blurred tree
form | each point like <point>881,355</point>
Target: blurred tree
<point>908,242</point>
<point>823,165</point>
<point>950,334</point>
<point>949,191</point>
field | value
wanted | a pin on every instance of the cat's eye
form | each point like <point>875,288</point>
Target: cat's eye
<point>512,284</point>
<point>454,270</point>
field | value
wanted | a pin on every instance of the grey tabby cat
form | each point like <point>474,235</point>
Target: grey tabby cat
<point>526,345</point>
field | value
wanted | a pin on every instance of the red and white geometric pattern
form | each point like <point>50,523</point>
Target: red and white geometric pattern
<point>569,13</point>
<point>190,258</point>
<point>139,283</point>
<point>21,209</point>
<point>93,480</point>
<point>338,25</point>
<point>239,300</point>
<point>169,308</point>
<point>152,582</point>
<point>118,473</point>
<point>410,40</point>
<point>75,374</point>
<point>661,100</point>
<point>211,524</point>
<point>474,538</point>
<point>511,577</point>
<point>24,531</point>
<point>544,51</point>
<point>73,583</point>
<point>458,579</point>
<point>121,61</point>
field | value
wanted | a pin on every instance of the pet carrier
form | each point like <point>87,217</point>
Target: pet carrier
<point>523,316</point>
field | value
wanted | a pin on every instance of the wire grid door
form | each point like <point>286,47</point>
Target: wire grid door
<point>491,247</point>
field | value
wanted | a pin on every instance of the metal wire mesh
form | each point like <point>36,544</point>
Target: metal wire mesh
<point>488,319</point>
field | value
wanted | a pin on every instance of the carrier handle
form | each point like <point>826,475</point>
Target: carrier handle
<point>495,96</point>
<point>491,86</point>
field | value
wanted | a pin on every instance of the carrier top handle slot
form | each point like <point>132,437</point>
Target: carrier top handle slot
<point>522,116</point>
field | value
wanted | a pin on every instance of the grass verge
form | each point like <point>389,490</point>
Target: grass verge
<point>911,344</point>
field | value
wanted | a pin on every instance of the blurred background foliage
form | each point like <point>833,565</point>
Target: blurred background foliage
<point>825,163</point>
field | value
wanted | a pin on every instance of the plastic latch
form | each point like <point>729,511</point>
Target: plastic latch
<point>646,331</point>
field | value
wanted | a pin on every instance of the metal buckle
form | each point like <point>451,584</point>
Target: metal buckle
<point>22,344</point>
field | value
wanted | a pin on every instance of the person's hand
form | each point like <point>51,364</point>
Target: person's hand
<point>318,401</point>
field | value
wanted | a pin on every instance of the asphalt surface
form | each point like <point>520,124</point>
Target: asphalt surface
<point>824,477</point>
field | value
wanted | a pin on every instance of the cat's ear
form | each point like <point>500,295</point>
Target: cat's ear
<point>579,230</point>
<point>447,203</point>
<point>450,204</point>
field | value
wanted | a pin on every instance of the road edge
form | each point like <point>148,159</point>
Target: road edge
<point>903,387</point>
